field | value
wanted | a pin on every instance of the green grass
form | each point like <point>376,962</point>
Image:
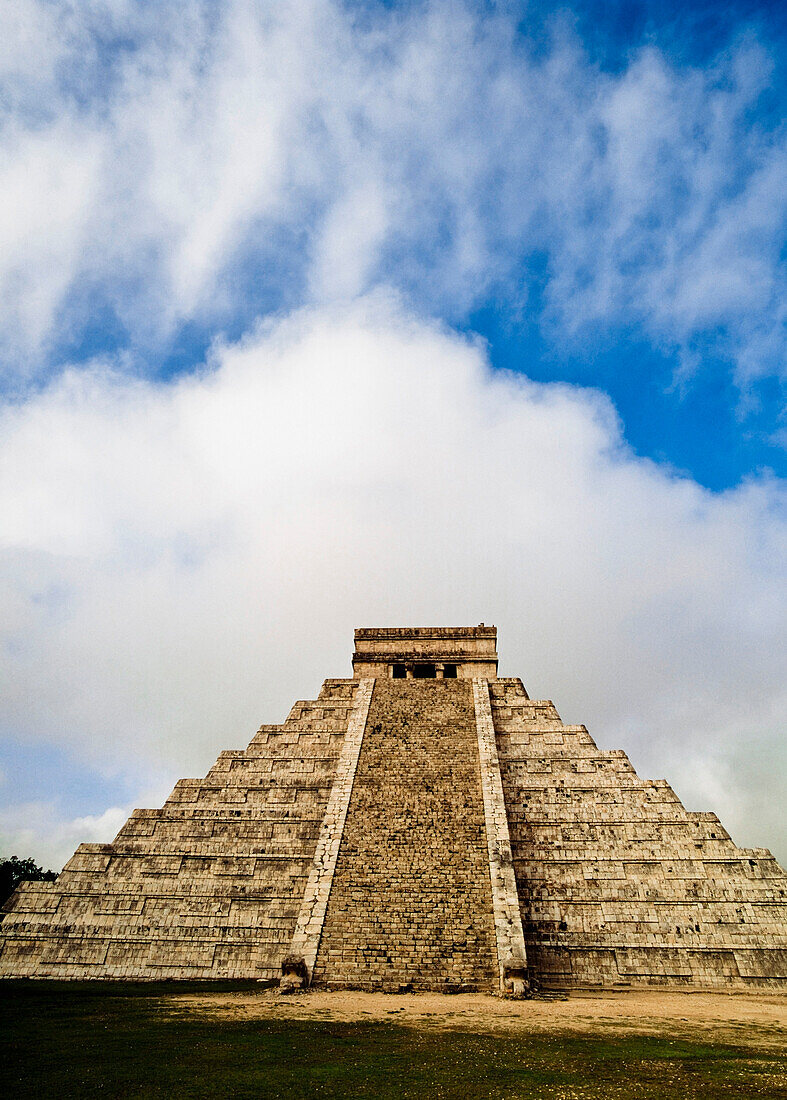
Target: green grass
<point>83,1040</point>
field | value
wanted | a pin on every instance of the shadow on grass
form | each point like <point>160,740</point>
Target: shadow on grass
<point>124,1040</point>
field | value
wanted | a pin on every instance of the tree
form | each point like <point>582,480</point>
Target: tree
<point>13,871</point>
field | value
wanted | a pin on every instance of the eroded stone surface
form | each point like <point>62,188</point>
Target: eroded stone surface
<point>391,843</point>
<point>618,883</point>
<point>511,954</point>
<point>308,929</point>
<point>207,886</point>
<point>411,901</point>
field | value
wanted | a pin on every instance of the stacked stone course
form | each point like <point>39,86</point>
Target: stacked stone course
<point>411,903</point>
<point>619,884</point>
<point>420,833</point>
<point>208,886</point>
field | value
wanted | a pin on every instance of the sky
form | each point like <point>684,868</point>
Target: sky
<point>321,315</point>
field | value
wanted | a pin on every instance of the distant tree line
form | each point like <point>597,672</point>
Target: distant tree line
<point>13,871</point>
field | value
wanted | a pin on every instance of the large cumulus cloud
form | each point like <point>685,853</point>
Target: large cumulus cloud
<point>181,562</point>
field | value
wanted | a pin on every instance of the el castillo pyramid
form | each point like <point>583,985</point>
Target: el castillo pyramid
<point>423,825</point>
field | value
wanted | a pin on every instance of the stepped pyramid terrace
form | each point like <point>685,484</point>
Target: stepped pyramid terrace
<point>422,825</point>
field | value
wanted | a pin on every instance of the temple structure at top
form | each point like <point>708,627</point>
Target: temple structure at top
<point>420,825</point>
<point>426,653</point>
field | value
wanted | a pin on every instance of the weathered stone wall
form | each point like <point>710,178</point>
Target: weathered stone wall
<point>374,834</point>
<point>511,954</point>
<point>471,649</point>
<point>208,886</point>
<point>619,884</point>
<point>302,955</point>
<point>411,899</point>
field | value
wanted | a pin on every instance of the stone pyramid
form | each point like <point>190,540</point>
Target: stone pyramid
<point>423,825</point>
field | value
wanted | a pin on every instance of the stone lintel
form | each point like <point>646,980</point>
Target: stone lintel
<point>511,954</point>
<point>298,965</point>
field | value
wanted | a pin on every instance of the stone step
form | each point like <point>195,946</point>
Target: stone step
<point>411,902</point>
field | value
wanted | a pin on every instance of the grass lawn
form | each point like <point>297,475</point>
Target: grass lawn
<point>126,1040</point>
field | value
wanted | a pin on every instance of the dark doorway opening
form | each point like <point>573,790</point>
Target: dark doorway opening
<point>424,672</point>
<point>449,672</point>
<point>399,672</point>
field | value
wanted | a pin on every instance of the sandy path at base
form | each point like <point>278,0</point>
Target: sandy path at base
<point>740,1019</point>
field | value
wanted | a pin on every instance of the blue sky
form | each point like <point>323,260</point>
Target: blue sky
<point>672,379</point>
<point>297,296</point>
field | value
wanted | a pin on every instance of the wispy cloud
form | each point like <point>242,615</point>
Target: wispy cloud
<point>217,162</point>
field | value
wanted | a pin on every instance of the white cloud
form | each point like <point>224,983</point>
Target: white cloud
<point>244,154</point>
<point>48,184</point>
<point>182,562</point>
<point>348,245</point>
<point>34,829</point>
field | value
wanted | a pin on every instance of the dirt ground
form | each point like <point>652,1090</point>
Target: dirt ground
<point>751,1020</point>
